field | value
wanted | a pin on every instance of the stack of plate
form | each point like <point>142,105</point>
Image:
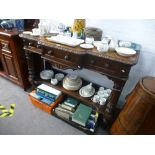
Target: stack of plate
<point>46,74</point>
<point>94,32</point>
<point>72,82</point>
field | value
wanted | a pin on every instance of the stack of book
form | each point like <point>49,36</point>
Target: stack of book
<point>46,97</point>
<point>85,117</point>
<point>67,108</point>
<point>82,114</point>
<point>47,94</point>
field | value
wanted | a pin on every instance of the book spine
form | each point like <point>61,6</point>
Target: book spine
<point>47,97</point>
<point>67,107</point>
<point>69,104</point>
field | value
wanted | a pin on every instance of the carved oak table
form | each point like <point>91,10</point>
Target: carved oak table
<point>115,67</point>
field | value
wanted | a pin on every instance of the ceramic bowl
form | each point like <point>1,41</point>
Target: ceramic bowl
<point>46,74</point>
<point>54,81</point>
<point>59,76</point>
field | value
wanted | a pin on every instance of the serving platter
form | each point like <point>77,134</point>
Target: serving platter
<point>126,52</point>
<point>69,41</point>
<point>87,46</point>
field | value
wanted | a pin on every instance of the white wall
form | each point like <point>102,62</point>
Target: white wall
<point>139,31</point>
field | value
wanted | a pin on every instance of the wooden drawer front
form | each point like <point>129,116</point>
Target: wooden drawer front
<point>107,66</point>
<point>32,46</point>
<point>5,46</point>
<point>9,65</point>
<point>64,57</point>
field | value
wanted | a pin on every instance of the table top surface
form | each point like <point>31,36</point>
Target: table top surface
<point>111,54</point>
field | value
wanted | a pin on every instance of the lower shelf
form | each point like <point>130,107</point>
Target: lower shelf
<point>86,130</point>
<point>50,109</point>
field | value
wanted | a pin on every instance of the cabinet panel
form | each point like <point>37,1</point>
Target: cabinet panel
<point>9,66</point>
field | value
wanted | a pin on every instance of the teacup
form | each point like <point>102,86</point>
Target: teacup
<point>54,81</point>
<point>108,91</point>
<point>106,95</point>
<point>101,89</point>
<point>102,101</point>
<point>100,92</point>
<point>96,98</point>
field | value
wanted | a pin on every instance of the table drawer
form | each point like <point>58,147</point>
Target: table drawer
<point>64,57</point>
<point>107,66</point>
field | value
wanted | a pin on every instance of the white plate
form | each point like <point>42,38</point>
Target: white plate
<point>87,46</point>
<point>33,34</point>
<point>125,51</point>
<point>27,32</point>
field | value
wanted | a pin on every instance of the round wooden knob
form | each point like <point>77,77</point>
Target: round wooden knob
<point>123,71</point>
<point>38,46</point>
<point>50,52</point>
<point>92,61</point>
<point>30,44</point>
<point>79,67</point>
<point>106,65</point>
<point>66,57</point>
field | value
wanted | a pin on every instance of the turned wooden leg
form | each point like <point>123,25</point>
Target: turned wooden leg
<point>108,116</point>
<point>30,63</point>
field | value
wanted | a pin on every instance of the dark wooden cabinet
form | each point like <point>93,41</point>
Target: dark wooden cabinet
<point>9,66</point>
<point>13,64</point>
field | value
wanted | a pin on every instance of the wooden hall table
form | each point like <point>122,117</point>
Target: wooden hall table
<point>115,67</point>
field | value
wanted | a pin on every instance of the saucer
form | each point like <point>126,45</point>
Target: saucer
<point>87,46</point>
<point>81,92</point>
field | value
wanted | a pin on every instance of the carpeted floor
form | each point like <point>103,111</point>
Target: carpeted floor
<point>28,119</point>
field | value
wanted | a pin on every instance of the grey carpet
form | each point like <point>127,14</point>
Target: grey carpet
<point>28,119</point>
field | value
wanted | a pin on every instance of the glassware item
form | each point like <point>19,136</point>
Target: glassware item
<point>19,24</point>
<point>75,35</point>
<point>79,24</point>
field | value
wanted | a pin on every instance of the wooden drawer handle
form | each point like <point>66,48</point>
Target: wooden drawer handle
<point>30,44</point>
<point>92,61</point>
<point>50,52</point>
<point>66,57</point>
<point>38,46</point>
<point>106,65</point>
<point>5,46</point>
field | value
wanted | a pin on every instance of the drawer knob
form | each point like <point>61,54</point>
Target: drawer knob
<point>92,61</point>
<point>30,44</point>
<point>123,71</point>
<point>66,57</point>
<point>106,65</point>
<point>50,52</point>
<point>79,67</point>
<point>38,46</point>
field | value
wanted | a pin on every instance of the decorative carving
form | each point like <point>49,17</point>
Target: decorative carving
<point>31,72</point>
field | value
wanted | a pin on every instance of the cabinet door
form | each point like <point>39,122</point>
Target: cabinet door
<point>9,65</point>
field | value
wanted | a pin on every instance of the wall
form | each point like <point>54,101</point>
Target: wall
<point>139,31</point>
